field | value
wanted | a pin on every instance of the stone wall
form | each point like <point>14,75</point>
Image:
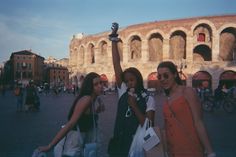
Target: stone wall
<point>194,44</point>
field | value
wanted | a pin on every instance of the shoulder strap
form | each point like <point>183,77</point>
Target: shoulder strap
<point>187,132</point>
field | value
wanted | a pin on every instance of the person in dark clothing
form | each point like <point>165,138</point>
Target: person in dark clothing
<point>31,98</point>
<point>134,103</point>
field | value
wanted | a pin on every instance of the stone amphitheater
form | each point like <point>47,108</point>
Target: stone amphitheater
<point>203,49</point>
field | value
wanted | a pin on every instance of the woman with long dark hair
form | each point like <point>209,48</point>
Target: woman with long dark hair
<point>81,109</point>
<point>184,131</point>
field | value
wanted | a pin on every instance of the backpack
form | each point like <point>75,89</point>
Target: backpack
<point>17,91</point>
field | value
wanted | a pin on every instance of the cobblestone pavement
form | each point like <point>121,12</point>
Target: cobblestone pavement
<point>22,132</point>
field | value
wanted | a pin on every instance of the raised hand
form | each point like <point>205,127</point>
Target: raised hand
<point>114,36</point>
<point>114,28</point>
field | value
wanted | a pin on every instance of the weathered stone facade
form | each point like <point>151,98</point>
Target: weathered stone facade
<point>203,48</point>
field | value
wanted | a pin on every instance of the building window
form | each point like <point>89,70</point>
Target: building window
<point>18,74</point>
<point>17,66</point>
<point>30,75</point>
<point>201,37</point>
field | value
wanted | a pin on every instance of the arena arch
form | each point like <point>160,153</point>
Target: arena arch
<point>102,50</point>
<point>154,31</point>
<point>228,44</point>
<point>203,34</point>
<point>90,53</point>
<point>135,53</point>
<point>177,44</point>
<point>202,53</point>
<point>200,77</point>
<point>228,78</point>
<point>155,46</point>
<point>205,22</point>
<point>177,29</point>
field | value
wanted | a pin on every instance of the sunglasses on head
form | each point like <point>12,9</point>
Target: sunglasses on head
<point>165,76</point>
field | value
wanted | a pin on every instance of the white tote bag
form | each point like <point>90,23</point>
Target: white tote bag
<point>70,145</point>
<point>145,138</point>
<point>150,138</point>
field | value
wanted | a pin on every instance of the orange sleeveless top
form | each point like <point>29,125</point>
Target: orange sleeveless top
<point>182,137</point>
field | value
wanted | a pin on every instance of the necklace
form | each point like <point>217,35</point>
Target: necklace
<point>169,92</point>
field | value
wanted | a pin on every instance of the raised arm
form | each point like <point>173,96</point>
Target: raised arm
<point>115,53</point>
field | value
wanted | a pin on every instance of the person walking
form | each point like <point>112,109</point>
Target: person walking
<point>18,91</point>
<point>184,130</point>
<point>134,103</point>
<point>31,97</point>
<point>80,114</point>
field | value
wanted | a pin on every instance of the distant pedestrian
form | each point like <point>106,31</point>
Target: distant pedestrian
<point>18,91</point>
<point>32,98</point>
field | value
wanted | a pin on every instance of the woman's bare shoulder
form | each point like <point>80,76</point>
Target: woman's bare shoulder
<point>85,99</point>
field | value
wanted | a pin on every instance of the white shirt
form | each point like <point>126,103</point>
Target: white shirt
<point>151,105</point>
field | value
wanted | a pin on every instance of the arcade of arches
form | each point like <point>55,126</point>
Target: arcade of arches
<point>204,50</point>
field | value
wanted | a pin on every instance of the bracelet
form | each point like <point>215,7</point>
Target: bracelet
<point>116,39</point>
<point>213,154</point>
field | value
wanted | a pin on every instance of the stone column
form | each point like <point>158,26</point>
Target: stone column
<point>144,51</point>
<point>166,48</point>
<point>189,49</point>
<point>215,47</point>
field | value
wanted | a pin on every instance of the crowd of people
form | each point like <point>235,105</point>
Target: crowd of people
<point>27,97</point>
<point>183,133</point>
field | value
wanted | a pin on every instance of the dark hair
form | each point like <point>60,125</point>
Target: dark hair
<point>86,89</point>
<point>134,71</point>
<point>173,69</point>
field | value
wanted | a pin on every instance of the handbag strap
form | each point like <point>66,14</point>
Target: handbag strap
<point>94,123</point>
<point>63,146</point>
<point>188,133</point>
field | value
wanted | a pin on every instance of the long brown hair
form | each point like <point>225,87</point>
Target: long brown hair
<point>86,89</point>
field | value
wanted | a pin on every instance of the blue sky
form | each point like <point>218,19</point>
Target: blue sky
<point>47,26</point>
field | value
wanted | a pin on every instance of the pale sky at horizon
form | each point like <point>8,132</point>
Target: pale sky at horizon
<point>47,26</point>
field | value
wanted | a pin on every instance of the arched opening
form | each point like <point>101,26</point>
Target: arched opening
<point>202,53</point>
<point>228,78</point>
<point>155,44</point>
<point>202,78</point>
<point>178,45</point>
<point>135,48</point>
<point>228,44</point>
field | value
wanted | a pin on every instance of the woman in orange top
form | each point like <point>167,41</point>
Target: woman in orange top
<point>185,134</point>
